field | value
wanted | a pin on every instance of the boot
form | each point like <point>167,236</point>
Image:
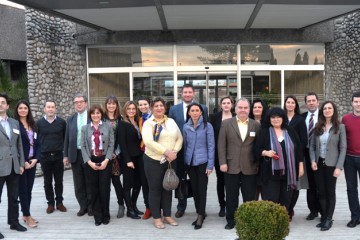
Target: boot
<point>130,210</point>
<point>121,211</point>
<point>222,211</point>
<point>327,224</point>
<point>147,214</point>
<point>134,197</point>
<point>199,222</point>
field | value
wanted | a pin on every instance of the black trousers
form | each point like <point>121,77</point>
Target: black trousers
<point>53,167</point>
<point>311,193</point>
<point>144,183</point>
<point>326,185</point>
<point>199,182</point>
<point>25,190</point>
<point>277,191</point>
<point>233,182</point>
<point>118,186</point>
<point>99,181</point>
<point>180,172</point>
<point>159,198</point>
<point>12,185</point>
<point>220,184</point>
<point>81,185</point>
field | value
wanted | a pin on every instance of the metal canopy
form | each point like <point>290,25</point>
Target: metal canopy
<point>136,15</point>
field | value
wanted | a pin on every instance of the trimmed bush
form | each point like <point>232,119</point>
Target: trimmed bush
<point>261,220</point>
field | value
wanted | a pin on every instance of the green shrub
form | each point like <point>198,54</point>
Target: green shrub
<point>261,220</point>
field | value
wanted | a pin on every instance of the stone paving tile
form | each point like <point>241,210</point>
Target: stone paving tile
<point>68,226</point>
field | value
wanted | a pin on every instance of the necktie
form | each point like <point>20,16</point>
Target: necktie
<point>311,127</point>
<point>80,124</point>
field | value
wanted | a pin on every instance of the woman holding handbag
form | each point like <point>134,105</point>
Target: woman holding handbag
<point>199,154</point>
<point>163,140</point>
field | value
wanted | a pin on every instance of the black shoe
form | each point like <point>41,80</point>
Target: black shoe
<point>179,214</point>
<point>1,236</point>
<point>82,212</point>
<point>312,216</point>
<point>321,224</point>
<point>90,213</point>
<point>18,227</point>
<point>106,220</point>
<point>229,226</point>
<point>194,222</point>
<point>132,214</point>
<point>199,222</point>
<point>222,211</point>
<point>137,211</point>
<point>327,224</point>
<point>97,223</point>
<point>353,223</point>
<point>121,211</point>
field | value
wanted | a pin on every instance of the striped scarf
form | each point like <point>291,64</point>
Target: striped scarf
<point>158,128</point>
<point>144,117</point>
<point>280,164</point>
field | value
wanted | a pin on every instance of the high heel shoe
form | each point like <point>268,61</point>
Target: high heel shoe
<point>199,222</point>
<point>30,222</point>
<point>132,214</point>
<point>159,224</point>
<point>170,221</point>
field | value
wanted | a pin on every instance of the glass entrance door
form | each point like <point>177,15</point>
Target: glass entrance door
<point>210,87</point>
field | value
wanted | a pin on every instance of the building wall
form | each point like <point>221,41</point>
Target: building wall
<point>342,65</point>
<point>56,64</point>
<point>12,33</point>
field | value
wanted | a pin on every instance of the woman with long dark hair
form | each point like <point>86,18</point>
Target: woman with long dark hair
<point>327,154</point>
<point>297,122</point>
<point>226,104</point>
<point>31,150</point>
<point>129,138</point>
<point>199,153</point>
<point>144,107</point>
<point>113,117</point>
<point>258,110</point>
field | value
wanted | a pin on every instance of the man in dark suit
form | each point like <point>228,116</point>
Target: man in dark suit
<point>178,113</point>
<point>237,159</point>
<point>72,153</point>
<point>311,118</point>
<point>12,162</point>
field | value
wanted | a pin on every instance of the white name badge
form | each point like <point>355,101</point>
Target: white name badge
<point>252,134</point>
<point>35,136</point>
<point>16,131</point>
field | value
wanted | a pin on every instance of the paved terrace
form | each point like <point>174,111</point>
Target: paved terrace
<point>68,226</point>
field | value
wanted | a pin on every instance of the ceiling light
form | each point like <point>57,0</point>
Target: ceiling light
<point>103,2</point>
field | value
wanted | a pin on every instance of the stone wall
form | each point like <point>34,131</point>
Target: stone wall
<point>56,64</point>
<point>342,64</point>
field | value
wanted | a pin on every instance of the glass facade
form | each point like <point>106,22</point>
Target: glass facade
<point>253,71</point>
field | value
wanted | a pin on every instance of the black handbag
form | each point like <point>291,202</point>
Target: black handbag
<point>184,189</point>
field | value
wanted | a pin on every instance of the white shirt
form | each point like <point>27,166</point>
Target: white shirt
<point>315,117</point>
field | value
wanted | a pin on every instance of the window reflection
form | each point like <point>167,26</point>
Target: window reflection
<point>206,55</point>
<point>282,54</point>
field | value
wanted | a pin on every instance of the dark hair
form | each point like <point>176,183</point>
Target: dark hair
<point>187,85</point>
<point>112,99</point>
<point>202,113</point>
<point>264,111</point>
<point>319,127</point>
<point>158,99</point>
<point>7,99</point>
<point>79,95</point>
<point>355,94</point>
<point>297,106</point>
<point>273,112</point>
<point>311,94</point>
<point>29,118</point>
<point>49,101</point>
<point>143,98</point>
<point>227,97</point>
<point>95,107</point>
<point>126,105</point>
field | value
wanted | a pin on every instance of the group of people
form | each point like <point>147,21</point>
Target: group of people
<point>272,153</point>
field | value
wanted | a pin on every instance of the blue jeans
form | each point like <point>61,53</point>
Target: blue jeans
<point>352,169</point>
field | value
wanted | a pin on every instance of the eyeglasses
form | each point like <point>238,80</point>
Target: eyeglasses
<point>79,102</point>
